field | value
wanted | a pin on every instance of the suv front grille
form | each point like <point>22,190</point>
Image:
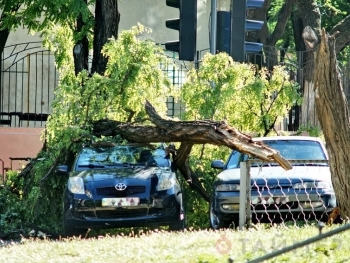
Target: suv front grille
<point>288,205</point>
<point>129,191</point>
<point>121,213</point>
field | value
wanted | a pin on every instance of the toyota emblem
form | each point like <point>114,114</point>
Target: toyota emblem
<point>120,187</point>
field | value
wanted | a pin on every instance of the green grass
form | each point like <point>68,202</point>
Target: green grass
<point>188,246</point>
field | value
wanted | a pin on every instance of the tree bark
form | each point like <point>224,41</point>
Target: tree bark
<point>333,114</point>
<point>81,49</point>
<point>188,133</point>
<point>107,19</point>
<point>342,39</point>
<point>310,16</point>
<point>277,33</point>
<point>4,33</point>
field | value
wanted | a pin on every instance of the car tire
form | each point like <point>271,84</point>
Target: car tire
<point>72,231</point>
<point>69,231</point>
<point>179,224</point>
<point>216,222</point>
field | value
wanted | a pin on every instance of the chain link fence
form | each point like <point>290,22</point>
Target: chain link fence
<point>268,194</point>
<point>265,199</point>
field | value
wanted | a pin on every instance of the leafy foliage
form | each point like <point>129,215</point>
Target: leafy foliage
<point>250,99</point>
<point>314,131</point>
<point>10,210</point>
<point>333,11</point>
<point>134,73</point>
<point>197,209</point>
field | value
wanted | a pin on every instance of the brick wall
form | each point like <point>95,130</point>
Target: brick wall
<point>18,143</point>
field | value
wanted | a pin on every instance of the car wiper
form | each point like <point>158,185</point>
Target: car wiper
<point>119,164</point>
<point>263,164</point>
<point>310,164</point>
<point>152,164</point>
<point>91,165</point>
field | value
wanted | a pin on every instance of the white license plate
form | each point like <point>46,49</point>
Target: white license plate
<point>127,201</point>
<point>264,200</point>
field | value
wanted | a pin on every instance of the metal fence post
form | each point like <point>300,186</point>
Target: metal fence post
<point>242,194</point>
<point>248,195</point>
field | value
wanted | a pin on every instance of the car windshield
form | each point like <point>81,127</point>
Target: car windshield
<point>298,149</point>
<point>289,149</point>
<point>105,156</point>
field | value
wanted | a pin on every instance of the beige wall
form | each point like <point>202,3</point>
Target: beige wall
<point>154,13</point>
<point>151,13</point>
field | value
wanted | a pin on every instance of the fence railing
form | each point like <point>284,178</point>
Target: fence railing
<point>28,77</point>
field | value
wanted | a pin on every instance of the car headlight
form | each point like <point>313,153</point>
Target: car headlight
<point>76,185</point>
<point>166,180</point>
<point>304,185</point>
<point>227,187</point>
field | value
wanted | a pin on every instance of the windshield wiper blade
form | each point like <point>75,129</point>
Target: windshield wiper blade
<point>263,164</point>
<point>119,164</point>
<point>91,165</point>
<point>152,164</point>
<point>310,164</point>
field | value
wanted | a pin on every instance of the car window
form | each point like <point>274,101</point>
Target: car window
<point>298,149</point>
<point>235,159</point>
<point>122,154</point>
<point>289,149</point>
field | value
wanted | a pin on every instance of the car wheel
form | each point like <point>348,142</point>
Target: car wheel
<point>179,224</point>
<point>215,221</point>
<point>69,231</point>
<point>72,231</point>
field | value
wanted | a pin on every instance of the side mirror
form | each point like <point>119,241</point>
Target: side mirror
<point>218,164</point>
<point>61,169</point>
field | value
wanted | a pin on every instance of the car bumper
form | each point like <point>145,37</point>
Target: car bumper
<point>85,213</point>
<point>226,204</point>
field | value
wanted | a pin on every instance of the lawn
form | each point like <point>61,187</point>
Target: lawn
<point>188,246</point>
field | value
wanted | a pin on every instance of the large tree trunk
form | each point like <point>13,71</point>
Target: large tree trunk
<point>81,49</point>
<point>343,27</point>
<point>107,20</point>
<point>188,133</point>
<point>5,32</point>
<point>309,15</point>
<point>333,114</point>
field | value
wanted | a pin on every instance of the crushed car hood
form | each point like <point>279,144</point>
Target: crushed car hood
<point>93,175</point>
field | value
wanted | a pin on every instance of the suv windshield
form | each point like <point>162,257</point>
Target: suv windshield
<point>102,156</point>
<point>289,149</point>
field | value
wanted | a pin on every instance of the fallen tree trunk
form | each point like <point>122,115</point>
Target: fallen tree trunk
<point>333,115</point>
<point>189,133</point>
